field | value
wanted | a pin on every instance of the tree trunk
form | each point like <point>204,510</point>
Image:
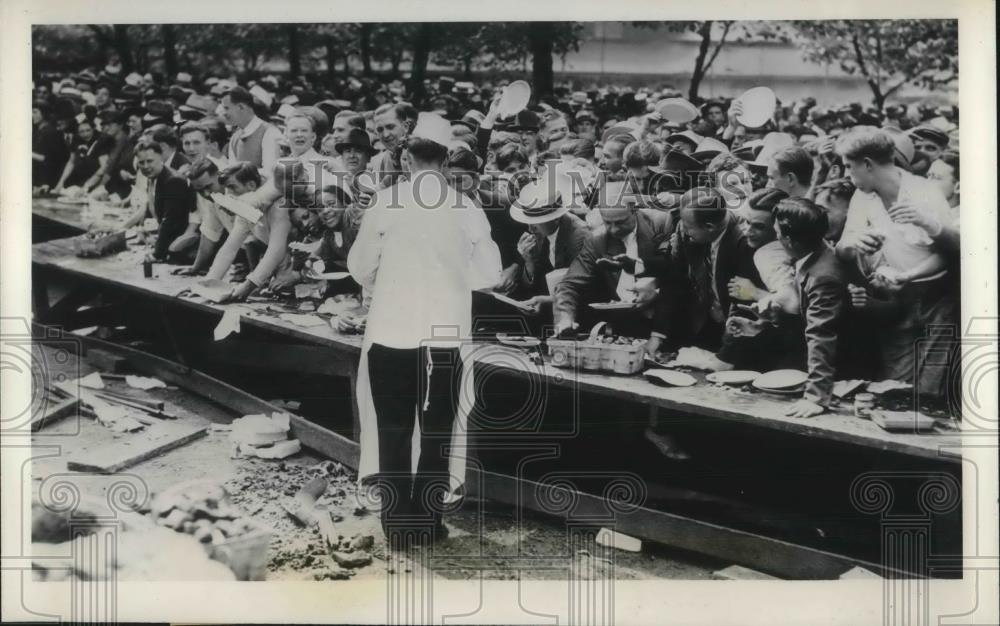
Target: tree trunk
<point>331,56</point>
<point>365,44</point>
<point>294,54</point>
<point>467,73</point>
<point>123,47</point>
<point>421,55</point>
<point>540,37</point>
<point>170,51</point>
<point>699,62</point>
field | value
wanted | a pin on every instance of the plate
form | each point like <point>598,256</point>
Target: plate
<point>515,97</point>
<point>518,341</point>
<point>781,379</point>
<point>677,110</point>
<point>670,378</point>
<point>758,106</point>
<point>733,377</point>
<point>793,391</point>
<point>613,306</point>
<point>73,200</point>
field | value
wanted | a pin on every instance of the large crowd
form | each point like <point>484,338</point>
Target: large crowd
<point>823,239</point>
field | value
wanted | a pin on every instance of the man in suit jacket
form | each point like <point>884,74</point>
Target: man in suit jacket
<point>707,250</point>
<point>171,199</point>
<point>554,238</point>
<point>613,256</point>
<point>801,228</point>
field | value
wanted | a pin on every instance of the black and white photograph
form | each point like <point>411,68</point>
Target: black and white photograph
<point>446,303</point>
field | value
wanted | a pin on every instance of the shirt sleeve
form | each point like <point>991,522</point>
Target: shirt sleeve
<point>485,267</point>
<point>857,216</point>
<point>363,259</point>
<point>269,150</point>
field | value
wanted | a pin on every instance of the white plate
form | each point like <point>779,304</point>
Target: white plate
<point>515,97</point>
<point>733,377</point>
<point>676,110</point>
<point>793,391</point>
<point>613,306</point>
<point>781,379</point>
<point>671,378</point>
<point>758,106</point>
<point>518,341</point>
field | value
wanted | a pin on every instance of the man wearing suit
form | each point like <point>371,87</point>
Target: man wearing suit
<point>707,251</point>
<point>613,256</point>
<point>171,199</point>
<point>554,238</point>
<point>801,227</point>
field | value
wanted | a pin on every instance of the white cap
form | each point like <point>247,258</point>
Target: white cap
<point>434,128</point>
<point>262,94</point>
<point>133,79</point>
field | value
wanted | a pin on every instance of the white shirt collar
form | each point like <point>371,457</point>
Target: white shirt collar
<point>552,246</point>
<point>251,127</point>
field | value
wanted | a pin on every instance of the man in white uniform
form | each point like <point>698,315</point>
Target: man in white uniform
<point>422,249</point>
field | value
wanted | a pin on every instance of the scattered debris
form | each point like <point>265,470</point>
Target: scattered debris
<point>352,559</point>
<point>305,321</point>
<point>612,539</point>
<point>90,381</point>
<point>307,290</point>
<point>229,324</point>
<point>885,386</point>
<point>144,382</point>
<point>738,572</point>
<point>859,573</point>
<point>106,361</point>
<point>329,307</point>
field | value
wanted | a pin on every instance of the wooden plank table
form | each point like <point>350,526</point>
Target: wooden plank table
<point>124,272</point>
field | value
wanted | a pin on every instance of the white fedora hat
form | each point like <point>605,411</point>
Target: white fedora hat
<point>433,127</point>
<point>540,201</point>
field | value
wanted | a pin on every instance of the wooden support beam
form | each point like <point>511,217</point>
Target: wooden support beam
<point>765,554</point>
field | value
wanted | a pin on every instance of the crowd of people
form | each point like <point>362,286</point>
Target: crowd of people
<point>824,239</point>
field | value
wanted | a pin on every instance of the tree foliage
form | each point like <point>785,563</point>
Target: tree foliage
<point>888,54</point>
<point>715,34</point>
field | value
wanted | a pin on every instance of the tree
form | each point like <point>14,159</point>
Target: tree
<point>714,34</point>
<point>423,42</point>
<point>170,50</point>
<point>294,51</point>
<point>887,53</point>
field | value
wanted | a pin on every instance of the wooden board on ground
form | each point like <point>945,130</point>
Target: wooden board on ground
<point>132,449</point>
<point>58,411</point>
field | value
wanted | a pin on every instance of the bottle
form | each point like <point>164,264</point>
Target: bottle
<point>147,268</point>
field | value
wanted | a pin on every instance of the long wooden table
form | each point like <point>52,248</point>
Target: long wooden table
<point>321,348</point>
<point>55,259</point>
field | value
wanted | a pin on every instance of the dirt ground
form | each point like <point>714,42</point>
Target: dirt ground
<point>485,540</point>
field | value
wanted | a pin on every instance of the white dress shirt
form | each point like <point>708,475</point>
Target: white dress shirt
<point>626,281</point>
<point>906,246</point>
<point>422,264</point>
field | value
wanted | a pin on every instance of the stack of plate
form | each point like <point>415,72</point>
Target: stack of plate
<point>782,382</point>
<point>733,377</point>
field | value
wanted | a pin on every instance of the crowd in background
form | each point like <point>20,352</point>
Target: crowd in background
<point>824,239</point>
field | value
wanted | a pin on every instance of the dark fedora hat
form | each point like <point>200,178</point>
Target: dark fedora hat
<point>160,111</point>
<point>525,120</point>
<point>471,120</point>
<point>129,94</point>
<point>930,133</point>
<point>357,138</point>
